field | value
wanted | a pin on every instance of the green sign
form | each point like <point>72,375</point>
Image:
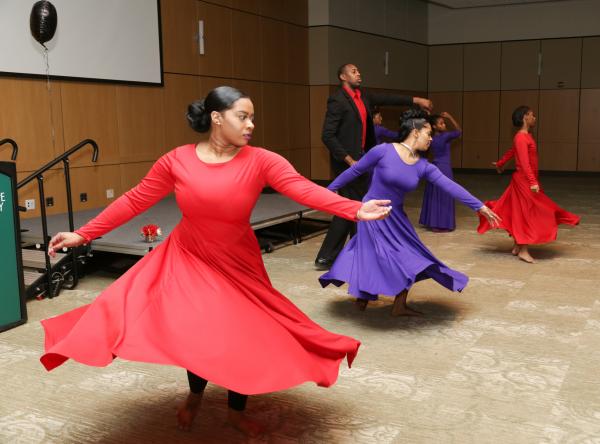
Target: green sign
<point>12,303</point>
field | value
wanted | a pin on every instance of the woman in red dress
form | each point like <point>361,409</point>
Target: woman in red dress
<point>527,213</point>
<point>202,299</point>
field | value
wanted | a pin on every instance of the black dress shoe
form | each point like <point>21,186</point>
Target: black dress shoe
<point>323,264</point>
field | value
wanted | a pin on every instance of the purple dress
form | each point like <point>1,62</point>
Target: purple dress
<point>386,256</point>
<point>437,210</point>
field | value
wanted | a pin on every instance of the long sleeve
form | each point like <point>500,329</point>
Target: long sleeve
<point>281,176</point>
<point>437,178</point>
<point>523,161</point>
<point>157,184</point>
<point>506,157</point>
<point>451,135</point>
<point>333,119</point>
<point>364,165</point>
<point>379,99</point>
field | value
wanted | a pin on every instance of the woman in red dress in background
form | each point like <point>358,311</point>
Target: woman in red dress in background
<point>202,299</point>
<point>527,213</point>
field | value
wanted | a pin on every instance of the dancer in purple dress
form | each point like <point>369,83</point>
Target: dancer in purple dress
<point>387,257</point>
<point>437,211</point>
<point>382,134</point>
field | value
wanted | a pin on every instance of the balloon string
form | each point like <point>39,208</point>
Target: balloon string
<point>46,59</point>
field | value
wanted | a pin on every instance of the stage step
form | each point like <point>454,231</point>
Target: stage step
<point>36,259</point>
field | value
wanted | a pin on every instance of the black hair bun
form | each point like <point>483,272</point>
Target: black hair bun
<point>414,113</point>
<point>198,117</point>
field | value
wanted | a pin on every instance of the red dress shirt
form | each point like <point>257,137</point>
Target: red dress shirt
<point>362,111</point>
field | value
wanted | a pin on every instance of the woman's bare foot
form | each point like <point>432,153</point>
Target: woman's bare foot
<point>361,303</point>
<point>515,250</point>
<point>401,309</point>
<point>244,424</point>
<point>524,255</point>
<point>187,411</point>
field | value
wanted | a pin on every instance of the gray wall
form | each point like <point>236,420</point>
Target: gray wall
<point>513,22</point>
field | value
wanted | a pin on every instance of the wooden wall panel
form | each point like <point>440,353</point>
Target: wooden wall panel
<point>90,112</point>
<point>481,127</point>
<point>95,181</point>
<point>218,50</point>
<point>179,92</point>
<point>519,67</point>
<point>298,99</point>
<point>509,101</point>
<point>179,26</point>
<point>25,117</point>
<point>588,158</point>
<point>558,128</point>
<point>252,6</point>
<point>446,68</point>
<point>141,123</point>
<point>245,39</point>
<point>274,44</point>
<point>300,158</point>
<point>275,110</point>
<point>319,155</point>
<point>451,102</point>
<point>297,54</point>
<point>132,174</point>
<point>482,66</point>
<point>293,11</point>
<point>561,63</point>
<point>590,63</point>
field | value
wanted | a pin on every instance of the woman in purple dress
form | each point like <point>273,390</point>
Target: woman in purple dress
<point>387,257</point>
<point>382,134</point>
<point>437,211</point>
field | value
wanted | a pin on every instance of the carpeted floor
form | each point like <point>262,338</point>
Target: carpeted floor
<point>513,359</point>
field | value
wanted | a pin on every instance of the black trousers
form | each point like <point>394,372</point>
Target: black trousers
<point>340,229</point>
<point>236,401</point>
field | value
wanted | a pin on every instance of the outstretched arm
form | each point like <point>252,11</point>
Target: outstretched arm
<point>505,158</point>
<point>364,165</point>
<point>437,178</point>
<point>156,185</point>
<point>281,176</point>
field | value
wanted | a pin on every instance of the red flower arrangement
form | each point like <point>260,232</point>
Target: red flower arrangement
<point>150,232</point>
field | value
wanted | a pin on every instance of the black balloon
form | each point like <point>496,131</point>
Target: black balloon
<point>42,21</point>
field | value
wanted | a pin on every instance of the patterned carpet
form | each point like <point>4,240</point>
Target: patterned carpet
<point>513,359</point>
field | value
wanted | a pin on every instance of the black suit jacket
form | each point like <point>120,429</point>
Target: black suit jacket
<point>342,129</point>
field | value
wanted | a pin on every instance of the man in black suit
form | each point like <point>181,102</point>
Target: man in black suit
<point>348,133</point>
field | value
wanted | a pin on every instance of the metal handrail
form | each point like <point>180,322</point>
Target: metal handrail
<point>15,147</point>
<point>39,175</point>
<point>61,158</point>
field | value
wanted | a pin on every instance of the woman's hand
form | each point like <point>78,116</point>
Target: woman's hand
<point>535,188</point>
<point>492,217</point>
<point>374,210</point>
<point>499,169</point>
<point>64,240</point>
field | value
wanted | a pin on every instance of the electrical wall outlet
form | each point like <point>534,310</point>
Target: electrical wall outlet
<point>30,204</point>
<point>50,201</point>
<point>110,193</point>
<point>83,197</point>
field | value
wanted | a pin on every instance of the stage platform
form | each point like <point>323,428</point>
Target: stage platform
<point>271,209</point>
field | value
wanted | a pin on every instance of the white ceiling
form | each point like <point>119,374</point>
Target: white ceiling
<point>461,4</point>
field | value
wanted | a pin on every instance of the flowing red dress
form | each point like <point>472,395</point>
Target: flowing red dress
<point>202,299</point>
<point>530,218</point>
